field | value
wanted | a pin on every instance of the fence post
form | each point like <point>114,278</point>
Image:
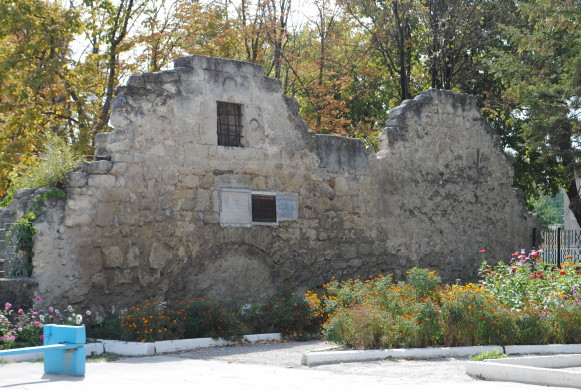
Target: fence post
<point>558,247</point>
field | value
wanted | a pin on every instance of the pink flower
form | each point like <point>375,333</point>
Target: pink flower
<point>8,305</point>
<point>41,337</point>
<point>36,323</point>
<point>38,298</point>
<point>35,313</point>
<point>482,250</point>
<point>20,311</point>
<point>51,309</point>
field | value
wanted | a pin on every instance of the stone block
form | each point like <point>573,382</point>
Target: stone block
<point>74,220</point>
<point>80,203</point>
<point>102,181</point>
<point>77,179</point>
<point>112,257</point>
<point>97,167</point>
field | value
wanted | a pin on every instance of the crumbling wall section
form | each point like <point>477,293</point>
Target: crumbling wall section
<point>149,217</point>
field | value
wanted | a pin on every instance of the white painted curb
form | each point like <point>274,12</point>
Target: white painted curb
<point>94,349</point>
<point>549,349</point>
<point>128,348</point>
<point>186,344</point>
<point>555,361</point>
<point>331,357</point>
<point>513,370</point>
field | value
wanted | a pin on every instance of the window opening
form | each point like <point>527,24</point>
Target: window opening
<point>229,124</point>
<point>264,208</point>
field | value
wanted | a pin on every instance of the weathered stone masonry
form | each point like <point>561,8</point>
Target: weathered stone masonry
<point>166,212</point>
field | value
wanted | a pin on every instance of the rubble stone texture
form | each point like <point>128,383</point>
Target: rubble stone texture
<point>145,219</point>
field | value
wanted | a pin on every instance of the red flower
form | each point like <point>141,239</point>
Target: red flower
<point>535,255</point>
<point>488,271</point>
<point>532,276</point>
<point>563,272</point>
<point>482,250</point>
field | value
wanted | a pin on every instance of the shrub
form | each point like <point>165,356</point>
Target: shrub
<point>423,281</point>
<point>57,159</point>
<point>286,312</point>
<point>513,305</point>
<point>199,317</point>
<point>23,328</point>
<point>204,318</point>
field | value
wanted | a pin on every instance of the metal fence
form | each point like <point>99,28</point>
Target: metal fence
<point>558,244</point>
<point>11,265</point>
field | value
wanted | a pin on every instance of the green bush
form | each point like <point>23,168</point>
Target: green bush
<point>523,303</point>
<point>57,159</point>
<point>205,318</point>
<point>284,312</point>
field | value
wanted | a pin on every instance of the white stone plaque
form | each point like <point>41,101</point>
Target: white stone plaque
<point>235,207</point>
<point>287,207</point>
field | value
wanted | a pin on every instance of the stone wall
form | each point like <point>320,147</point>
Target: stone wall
<point>162,212</point>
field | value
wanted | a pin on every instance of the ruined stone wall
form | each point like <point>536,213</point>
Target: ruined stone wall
<point>149,217</point>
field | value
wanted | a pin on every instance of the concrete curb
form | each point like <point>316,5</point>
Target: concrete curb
<point>332,357</point>
<point>128,348</point>
<point>537,370</point>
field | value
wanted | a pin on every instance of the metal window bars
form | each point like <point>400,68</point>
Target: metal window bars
<point>229,124</point>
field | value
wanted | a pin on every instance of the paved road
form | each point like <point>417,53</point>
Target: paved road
<point>256,367</point>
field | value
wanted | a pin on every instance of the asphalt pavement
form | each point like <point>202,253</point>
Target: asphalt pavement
<point>255,366</point>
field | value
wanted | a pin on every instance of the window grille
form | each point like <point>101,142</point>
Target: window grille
<point>229,124</point>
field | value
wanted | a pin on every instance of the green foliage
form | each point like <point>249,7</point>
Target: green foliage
<point>549,210</point>
<point>423,281</point>
<point>509,307</point>
<point>527,280</point>
<point>285,312</point>
<point>56,161</point>
<point>24,328</point>
<point>200,317</point>
<point>204,318</point>
<point>22,232</point>
<point>488,355</point>
<point>108,327</point>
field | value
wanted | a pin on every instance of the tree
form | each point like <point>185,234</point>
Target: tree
<point>391,25</point>
<point>110,24</point>
<point>35,38</point>
<point>540,67</point>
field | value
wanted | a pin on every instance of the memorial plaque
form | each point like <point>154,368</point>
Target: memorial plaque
<point>287,206</point>
<point>235,207</point>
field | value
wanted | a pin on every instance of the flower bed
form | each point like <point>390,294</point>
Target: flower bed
<point>517,303</point>
<point>522,302</point>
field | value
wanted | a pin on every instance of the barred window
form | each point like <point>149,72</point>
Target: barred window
<point>229,124</point>
<point>264,208</point>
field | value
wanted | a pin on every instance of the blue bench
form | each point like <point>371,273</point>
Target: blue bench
<point>64,350</point>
